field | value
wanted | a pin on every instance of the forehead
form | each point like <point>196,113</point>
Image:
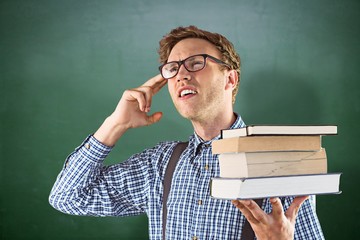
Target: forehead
<point>192,46</point>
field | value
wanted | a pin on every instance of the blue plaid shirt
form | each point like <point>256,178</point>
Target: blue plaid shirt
<point>85,186</point>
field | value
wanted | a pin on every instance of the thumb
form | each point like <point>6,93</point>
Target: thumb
<point>154,118</point>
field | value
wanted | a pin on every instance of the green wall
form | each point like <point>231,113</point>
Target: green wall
<point>64,65</point>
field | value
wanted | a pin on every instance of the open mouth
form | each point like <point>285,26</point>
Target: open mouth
<point>187,92</point>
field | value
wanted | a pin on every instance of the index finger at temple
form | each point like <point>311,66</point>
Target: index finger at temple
<point>159,85</point>
<point>153,82</point>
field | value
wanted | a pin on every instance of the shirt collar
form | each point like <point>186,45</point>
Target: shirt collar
<point>195,140</point>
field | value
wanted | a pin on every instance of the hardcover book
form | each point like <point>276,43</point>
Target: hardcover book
<point>263,187</point>
<point>280,130</point>
<point>266,144</point>
<point>257,164</point>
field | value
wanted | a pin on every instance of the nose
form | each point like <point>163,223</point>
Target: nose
<point>183,74</point>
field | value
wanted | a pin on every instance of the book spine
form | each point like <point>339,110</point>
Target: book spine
<point>266,144</point>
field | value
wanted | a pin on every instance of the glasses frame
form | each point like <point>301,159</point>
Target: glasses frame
<point>182,62</point>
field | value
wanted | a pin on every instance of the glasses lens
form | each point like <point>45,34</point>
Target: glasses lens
<point>195,63</point>
<point>192,64</point>
<point>170,69</point>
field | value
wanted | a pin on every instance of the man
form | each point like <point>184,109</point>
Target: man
<point>202,71</point>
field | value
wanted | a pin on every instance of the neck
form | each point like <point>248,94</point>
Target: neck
<point>208,130</point>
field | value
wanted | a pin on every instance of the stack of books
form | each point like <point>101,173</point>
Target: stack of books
<point>273,161</point>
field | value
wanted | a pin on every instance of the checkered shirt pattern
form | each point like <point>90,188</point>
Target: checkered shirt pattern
<point>86,186</point>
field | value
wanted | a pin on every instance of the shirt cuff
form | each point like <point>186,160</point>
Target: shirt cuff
<point>94,150</point>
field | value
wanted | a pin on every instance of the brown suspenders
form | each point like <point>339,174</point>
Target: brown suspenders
<point>179,148</point>
<point>247,232</point>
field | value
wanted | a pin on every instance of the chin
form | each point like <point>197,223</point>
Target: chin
<point>190,115</point>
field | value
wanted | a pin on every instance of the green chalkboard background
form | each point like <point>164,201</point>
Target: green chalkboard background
<point>64,65</point>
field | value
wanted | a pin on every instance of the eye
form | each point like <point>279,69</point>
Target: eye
<point>171,67</point>
<point>196,64</point>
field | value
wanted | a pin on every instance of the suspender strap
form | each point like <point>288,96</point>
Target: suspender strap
<point>179,148</point>
<point>247,232</point>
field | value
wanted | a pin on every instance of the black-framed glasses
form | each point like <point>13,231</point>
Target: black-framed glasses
<point>192,64</point>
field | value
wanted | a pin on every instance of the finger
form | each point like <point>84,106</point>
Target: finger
<point>139,96</point>
<point>159,85</point>
<point>153,80</point>
<point>256,211</point>
<point>156,83</point>
<point>151,87</point>
<point>253,213</point>
<point>154,118</point>
<point>148,94</point>
<point>143,95</point>
<point>277,208</point>
<point>244,210</point>
<point>293,210</point>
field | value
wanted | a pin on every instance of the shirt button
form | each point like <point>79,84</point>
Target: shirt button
<point>195,238</point>
<point>200,202</point>
<point>206,167</point>
<point>87,145</point>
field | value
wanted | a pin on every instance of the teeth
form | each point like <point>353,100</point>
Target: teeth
<point>186,92</point>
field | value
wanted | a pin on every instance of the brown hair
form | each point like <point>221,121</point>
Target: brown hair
<point>226,48</point>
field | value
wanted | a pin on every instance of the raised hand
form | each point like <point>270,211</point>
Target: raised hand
<point>131,111</point>
<point>278,224</point>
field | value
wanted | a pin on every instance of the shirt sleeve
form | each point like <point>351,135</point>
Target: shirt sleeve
<point>86,187</point>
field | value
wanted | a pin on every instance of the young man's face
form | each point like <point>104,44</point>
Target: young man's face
<point>207,94</point>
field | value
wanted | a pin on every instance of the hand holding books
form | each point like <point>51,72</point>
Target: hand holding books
<point>277,224</point>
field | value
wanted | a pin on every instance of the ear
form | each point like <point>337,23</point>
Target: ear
<point>231,79</point>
